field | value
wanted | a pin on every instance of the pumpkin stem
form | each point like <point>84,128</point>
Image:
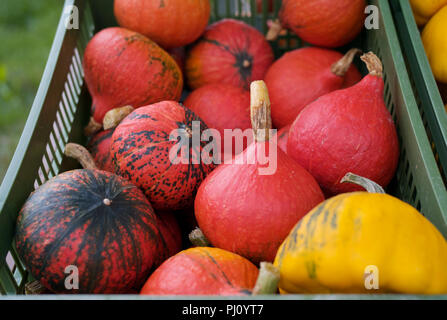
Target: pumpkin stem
<point>78,152</point>
<point>35,287</point>
<point>268,278</point>
<point>373,64</point>
<point>115,116</point>
<point>198,239</point>
<point>369,185</point>
<point>92,127</point>
<point>261,120</point>
<point>342,66</point>
<point>275,29</point>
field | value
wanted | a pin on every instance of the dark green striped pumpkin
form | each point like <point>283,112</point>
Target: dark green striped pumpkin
<point>97,222</point>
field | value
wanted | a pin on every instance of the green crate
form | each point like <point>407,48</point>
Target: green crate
<point>62,105</point>
<point>428,97</point>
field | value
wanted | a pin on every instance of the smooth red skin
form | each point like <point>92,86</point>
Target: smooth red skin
<point>221,107</point>
<point>348,130</point>
<point>213,59</point>
<point>324,23</point>
<point>283,137</point>
<point>123,67</point>
<point>140,152</point>
<point>99,147</point>
<point>202,271</point>
<point>170,23</point>
<point>301,76</point>
<point>250,214</point>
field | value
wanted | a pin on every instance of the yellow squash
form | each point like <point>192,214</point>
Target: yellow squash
<point>434,37</point>
<point>424,9</point>
<point>363,243</point>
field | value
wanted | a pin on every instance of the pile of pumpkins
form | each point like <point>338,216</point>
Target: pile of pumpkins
<point>431,17</point>
<point>305,226</point>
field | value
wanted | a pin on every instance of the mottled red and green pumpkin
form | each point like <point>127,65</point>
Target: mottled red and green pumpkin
<point>99,148</point>
<point>123,67</point>
<point>141,148</point>
<point>229,52</point>
<point>172,235</point>
<point>95,221</point>
<point>203,271</point>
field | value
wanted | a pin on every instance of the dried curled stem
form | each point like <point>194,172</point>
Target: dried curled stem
<point>92,127</point>
<point>274,31</point>
<point>115,116</point>
<point>373,64</point>
<point>342,66</point>
<point>80,153</point>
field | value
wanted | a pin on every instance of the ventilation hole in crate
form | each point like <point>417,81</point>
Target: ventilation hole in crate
<point>78,59</point>
<point>410,180</point>
<point>10,261</point>
<point>414,195</point>
<point>36,184</point>
<point>53,159</point>
<point>407,167</point>
<point>46,168</point>
<point>77,74</point>
<point>41,177</point>
<point>74,79</point>
<point>65,121</point>
<point>62,126</point>
<point>72,92</point>
<point>418,206</point>
<point>59,137</point>
<point>67,98</point>
<point>66,111</point>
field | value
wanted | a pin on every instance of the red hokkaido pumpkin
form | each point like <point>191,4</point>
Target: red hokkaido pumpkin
<point>324,23</point>
<point>248,207</point>
<point>348,130</point>
<point>143,143</point>
<point>170,23</point>
<point>93,220</point>
<point>222,107</point>
<point>203,271</point>
<point>229,52</point>
<point>301,76</point>
<point>123,67</point>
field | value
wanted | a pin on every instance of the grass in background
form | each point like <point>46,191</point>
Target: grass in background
<point>27,29</point>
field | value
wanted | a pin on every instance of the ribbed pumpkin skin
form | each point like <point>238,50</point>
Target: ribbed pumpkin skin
<point>347,130</point>
<point>324,23</point>
<point>301,76</point>
<point>170,23</point>
<point>65,222</point>
<point>99,148</point>
<point>123,67</point>
<point>140,152</point>
<point>218,57</point>
<point>250,214</point>
<point>221,107</point>
<point>203,271</point>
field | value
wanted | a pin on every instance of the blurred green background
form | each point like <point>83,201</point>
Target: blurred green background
<point>27,28</point>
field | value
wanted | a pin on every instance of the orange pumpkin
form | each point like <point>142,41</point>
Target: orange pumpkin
<point>203,271</point>
<point>170,23</point>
